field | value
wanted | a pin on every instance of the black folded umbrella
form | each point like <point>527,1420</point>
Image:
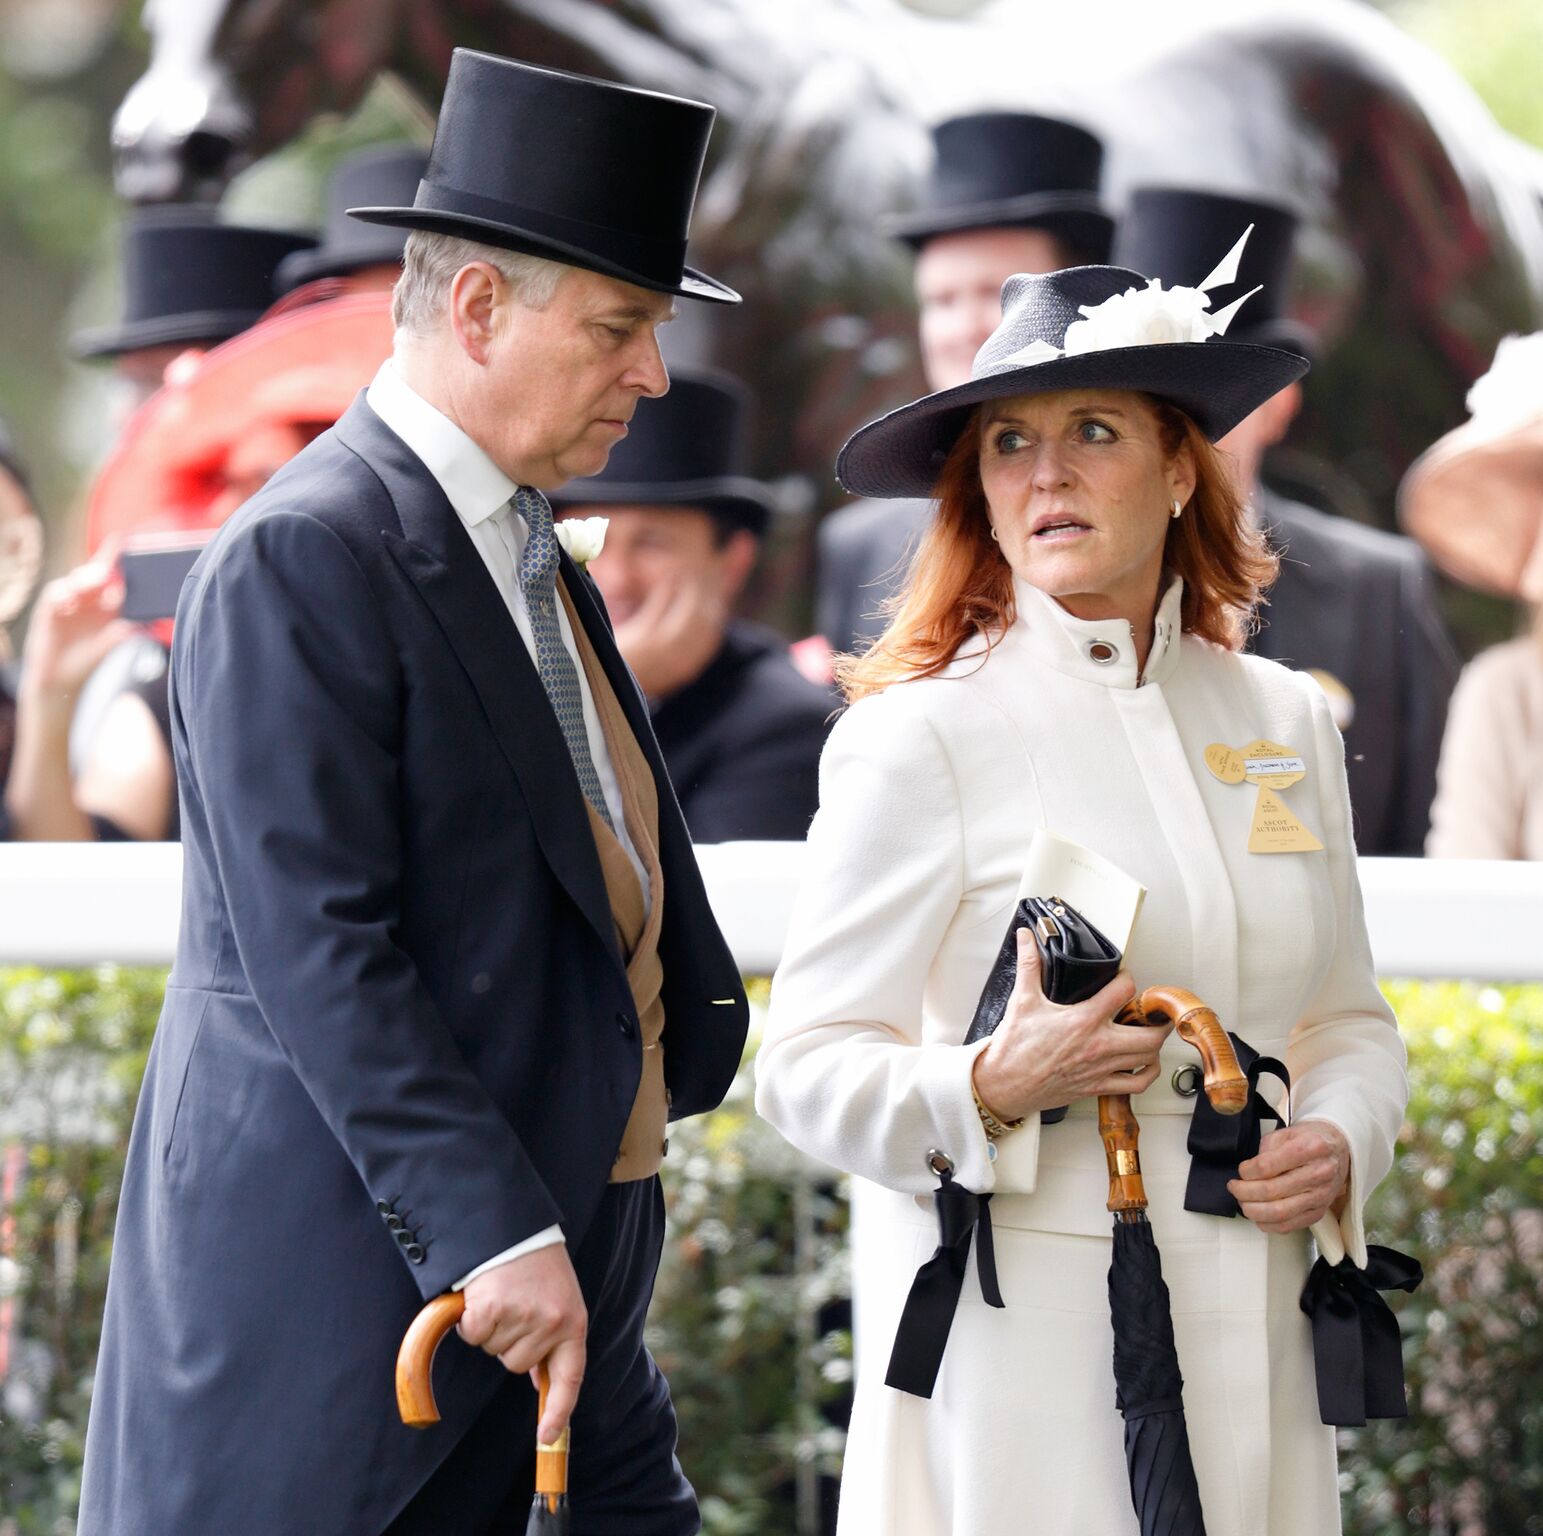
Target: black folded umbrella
<point>1148,1387</point>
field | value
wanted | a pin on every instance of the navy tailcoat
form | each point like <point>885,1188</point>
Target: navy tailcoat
<point>398,1037</point>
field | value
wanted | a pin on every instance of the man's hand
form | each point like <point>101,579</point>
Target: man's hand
<point>1300,1174</point>
<point>530,1312</point>
<point>671,638</point>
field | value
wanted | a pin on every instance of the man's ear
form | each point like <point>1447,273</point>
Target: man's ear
<point>736,560</point>
<point>476,292</point>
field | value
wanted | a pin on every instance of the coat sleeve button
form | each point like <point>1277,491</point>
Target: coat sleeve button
<point>416,1253</point>
<point>383,1206</point>
<point>394,1222</point>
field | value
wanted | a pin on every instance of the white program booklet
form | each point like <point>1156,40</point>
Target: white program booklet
<point>1102,892</point>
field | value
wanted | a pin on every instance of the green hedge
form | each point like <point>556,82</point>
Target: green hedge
<point>747,1318</point>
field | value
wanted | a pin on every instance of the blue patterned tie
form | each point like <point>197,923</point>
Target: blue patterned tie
<point>559,675</point>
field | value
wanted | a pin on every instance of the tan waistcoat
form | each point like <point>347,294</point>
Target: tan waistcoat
<point>637,921</point>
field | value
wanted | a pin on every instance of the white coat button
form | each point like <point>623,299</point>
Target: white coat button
<point>1102,652</point>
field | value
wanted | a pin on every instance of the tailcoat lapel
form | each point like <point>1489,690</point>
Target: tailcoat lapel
<point>438,556</point>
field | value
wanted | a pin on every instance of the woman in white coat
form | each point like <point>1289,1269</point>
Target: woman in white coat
<point>1067,648</point>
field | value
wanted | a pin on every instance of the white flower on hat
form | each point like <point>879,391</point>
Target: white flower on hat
<point>582,537</point>
<point>1153,316</point>
<point>1512,391</point>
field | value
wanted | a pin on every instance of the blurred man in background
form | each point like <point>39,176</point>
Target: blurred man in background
<point>1353,605</point>
<point>1009,192</point>
<point>740,728</point>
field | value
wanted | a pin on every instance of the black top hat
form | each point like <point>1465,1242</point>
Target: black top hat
<point>685,449</point>
<point>386,173</point>
<point>1174,233</point>
<point>1000,169</point>
<point>188,278</point>
<point>578,170</point>
<point>1216,382</point>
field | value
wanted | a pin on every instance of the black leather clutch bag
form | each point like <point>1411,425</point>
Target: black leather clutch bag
<point>1075,961</point>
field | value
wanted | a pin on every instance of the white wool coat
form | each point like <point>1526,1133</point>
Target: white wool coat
<point>929,794</point>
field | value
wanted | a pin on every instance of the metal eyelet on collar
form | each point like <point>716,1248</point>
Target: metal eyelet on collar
<point>1186,1082</point>
<point>1102,652</point>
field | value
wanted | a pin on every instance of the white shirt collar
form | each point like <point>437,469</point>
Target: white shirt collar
<point>1099,650</point>
<point>473,484</point>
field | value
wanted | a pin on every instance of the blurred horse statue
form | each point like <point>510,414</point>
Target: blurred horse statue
<point>1423,239</point>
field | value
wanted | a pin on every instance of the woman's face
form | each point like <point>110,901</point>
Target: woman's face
<point>1080,490</point>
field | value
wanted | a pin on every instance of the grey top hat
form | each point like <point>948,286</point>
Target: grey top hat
<point>686,449</point>
<point>190,280</point>
<point>1013,169</point>
<point>381,174</point>
<point>1082,328</point>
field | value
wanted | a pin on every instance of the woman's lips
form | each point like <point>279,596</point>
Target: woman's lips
<point>1060,532</point>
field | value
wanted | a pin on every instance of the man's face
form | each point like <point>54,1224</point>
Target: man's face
<point>959,281</point>
<point>653,550</point>
<point>558,385</point>
<point>1261,429</point>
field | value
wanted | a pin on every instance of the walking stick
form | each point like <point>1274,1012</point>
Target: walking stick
<point>549,1515</point>
<point>1148,1386</point>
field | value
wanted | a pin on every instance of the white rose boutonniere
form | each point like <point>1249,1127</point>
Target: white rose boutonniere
<point>582,537</point>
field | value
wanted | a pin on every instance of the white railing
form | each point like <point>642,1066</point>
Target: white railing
<point>67,904</point>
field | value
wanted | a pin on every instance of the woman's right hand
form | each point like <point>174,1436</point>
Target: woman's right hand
<point>1046,1054</point>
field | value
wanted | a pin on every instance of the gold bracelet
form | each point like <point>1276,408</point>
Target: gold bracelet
<point>994,1128</point>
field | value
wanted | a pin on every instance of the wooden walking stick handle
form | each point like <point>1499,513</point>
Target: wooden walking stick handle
<point>1226,1086</point>
<point>415,1359</point>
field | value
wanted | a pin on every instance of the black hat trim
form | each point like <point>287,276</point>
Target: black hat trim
<point>163,331</point>
<point>1080,212</point>
<point>511,227</point>
<point>735,499</point>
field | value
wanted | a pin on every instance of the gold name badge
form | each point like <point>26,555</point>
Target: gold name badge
<point>1272,768</point>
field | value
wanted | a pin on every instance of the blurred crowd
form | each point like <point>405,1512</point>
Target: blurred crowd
<point>238,345</point>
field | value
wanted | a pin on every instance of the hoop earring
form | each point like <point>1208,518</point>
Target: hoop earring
<point>994,538</point>
<point>1178,510</point>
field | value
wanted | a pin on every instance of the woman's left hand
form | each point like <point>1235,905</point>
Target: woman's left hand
<point>1300,1174</point>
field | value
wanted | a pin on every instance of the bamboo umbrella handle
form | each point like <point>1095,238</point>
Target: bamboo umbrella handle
<point>1226,1086</point>
<point>415,1360</point>
<point>1121,1134</point>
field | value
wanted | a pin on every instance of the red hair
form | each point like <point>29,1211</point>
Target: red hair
<point>960,584</point>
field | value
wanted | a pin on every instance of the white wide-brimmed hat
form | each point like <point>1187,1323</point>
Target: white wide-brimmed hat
<point>1475,498</point>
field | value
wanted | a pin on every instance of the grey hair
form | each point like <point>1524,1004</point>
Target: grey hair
<point>429,265</point>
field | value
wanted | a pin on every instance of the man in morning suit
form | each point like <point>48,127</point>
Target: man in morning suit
<point>740,727</point>
<point>1353,605</point>
<point>1009,192</point>
<point>446,965</point>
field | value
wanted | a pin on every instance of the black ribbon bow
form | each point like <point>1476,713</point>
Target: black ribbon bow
<point>1357,1352</point>
<point>929,1309</point>
<point>1218,1143</point>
